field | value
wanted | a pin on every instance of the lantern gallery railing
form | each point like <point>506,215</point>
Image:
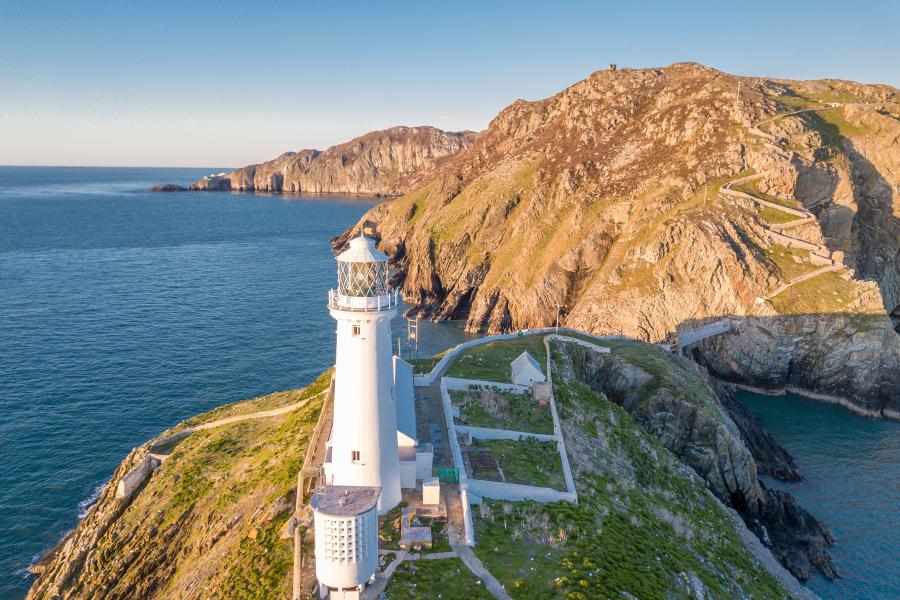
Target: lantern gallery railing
<point>340,301</point>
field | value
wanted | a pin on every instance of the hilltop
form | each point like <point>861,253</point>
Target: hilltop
<point>645,201</point>
<point>382,163</point>
<point>661,468</point>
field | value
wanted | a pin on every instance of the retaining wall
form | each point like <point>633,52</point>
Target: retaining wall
<point>557,430</point>
<point>136,477</point>
<point>484,433</point>
<point>516,491</point>
<point>458,384</point>
<point>429,378</point>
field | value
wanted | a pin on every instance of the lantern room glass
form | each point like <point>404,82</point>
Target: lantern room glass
<point>363,279</point>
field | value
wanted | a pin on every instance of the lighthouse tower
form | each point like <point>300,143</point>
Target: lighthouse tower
<point>363,449</point>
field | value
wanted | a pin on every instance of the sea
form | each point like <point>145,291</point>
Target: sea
<point>123,312</point>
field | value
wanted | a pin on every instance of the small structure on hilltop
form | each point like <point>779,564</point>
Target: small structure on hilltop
<point>526,370</point>
<point>346,522</point>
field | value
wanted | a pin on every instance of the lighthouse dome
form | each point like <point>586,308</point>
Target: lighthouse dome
<point>362,249</point>
<point>363,273</point>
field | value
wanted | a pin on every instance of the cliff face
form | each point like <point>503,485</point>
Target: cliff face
<point>839,356</point>
<point>674,401</point>
<point>388,163</point>
<point>612,199</point>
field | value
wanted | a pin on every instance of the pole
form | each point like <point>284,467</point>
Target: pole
<point>558,308</point>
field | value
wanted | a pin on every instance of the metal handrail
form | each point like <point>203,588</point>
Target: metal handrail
<point>339,301</point>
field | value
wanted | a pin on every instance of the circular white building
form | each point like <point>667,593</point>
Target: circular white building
<point>363,446</point>
<point>346,525</point>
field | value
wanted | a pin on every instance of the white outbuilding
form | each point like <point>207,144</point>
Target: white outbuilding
<point>526,370</point>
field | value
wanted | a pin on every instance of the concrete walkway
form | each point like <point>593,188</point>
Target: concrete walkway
<point>381,579</point>
<point>474,564</point>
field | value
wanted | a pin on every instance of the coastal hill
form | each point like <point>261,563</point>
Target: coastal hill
<point>382,163</point>
<point>644,202</point>
<point>664,464</point>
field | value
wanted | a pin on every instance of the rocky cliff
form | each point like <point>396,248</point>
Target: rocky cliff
<point>657,462</point>
<point>386,163</point>
<point>640,201</point>
<point>675,402</point>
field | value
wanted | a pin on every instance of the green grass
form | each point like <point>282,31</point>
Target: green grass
<point>505,410</point>
<point>424,366</point>
<point>773,216</point>
<point>826,293</point>
<point>752,188</point>
<point>389,528</point>
<point>783,257</point>
<point>666,373</point>
<point>445,579</point>
<point>641,525</point>
<point>230,489</point>
<point>262,565</point>
<point>528,462</point>
<point>440,540</point>
<point>491,361</point>
<point>835,117</point>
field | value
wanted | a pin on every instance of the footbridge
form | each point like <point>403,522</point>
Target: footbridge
<point>693,335</point>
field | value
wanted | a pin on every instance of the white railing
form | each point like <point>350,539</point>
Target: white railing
<point>340,301</point>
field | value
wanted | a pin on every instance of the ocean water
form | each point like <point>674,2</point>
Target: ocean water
<point>851,467</point>
<point>123,312</point>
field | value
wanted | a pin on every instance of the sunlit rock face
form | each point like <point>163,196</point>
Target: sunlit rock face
<point>385,163</point>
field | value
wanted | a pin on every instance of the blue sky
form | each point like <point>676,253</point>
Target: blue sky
<point>224,84</point>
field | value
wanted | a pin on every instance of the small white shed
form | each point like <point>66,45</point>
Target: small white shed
<point>526,370</point>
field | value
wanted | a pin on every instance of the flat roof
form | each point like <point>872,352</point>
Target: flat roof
<point>345,500</point>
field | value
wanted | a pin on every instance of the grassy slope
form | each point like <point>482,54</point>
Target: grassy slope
<point>491,362</point>
<point>644,524</point>
<point>206,525</point>
<point>446,578</point>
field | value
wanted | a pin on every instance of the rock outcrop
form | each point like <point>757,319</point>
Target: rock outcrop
<point>676,404</point>
<point>380,163</point>
<point>838,356</point>
<point>603,199</point>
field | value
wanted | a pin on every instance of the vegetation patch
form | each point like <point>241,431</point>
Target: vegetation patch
<point>645,527</point>
<point>665,373</point>
<point>752,188</point>
<point>491,361</point>
<point>389,528</point>
<point>773,216</point>
<point>791,262</point>
<point>826,293</point>
<point>501,409</point>
<point>424,366</point>
<point>528,462</point>
<point>445,578</point>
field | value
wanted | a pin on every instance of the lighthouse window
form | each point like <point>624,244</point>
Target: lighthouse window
<point>356,330</point>
<point>354,455</point>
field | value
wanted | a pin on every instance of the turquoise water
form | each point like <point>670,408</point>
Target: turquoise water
<point>851,466</point>
<point>123,312</point>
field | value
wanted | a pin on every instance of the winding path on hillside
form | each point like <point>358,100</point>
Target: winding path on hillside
<point>262,414</point>
<point>777,231</point>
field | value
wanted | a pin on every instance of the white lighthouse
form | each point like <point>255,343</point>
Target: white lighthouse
<point>363,448</point>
